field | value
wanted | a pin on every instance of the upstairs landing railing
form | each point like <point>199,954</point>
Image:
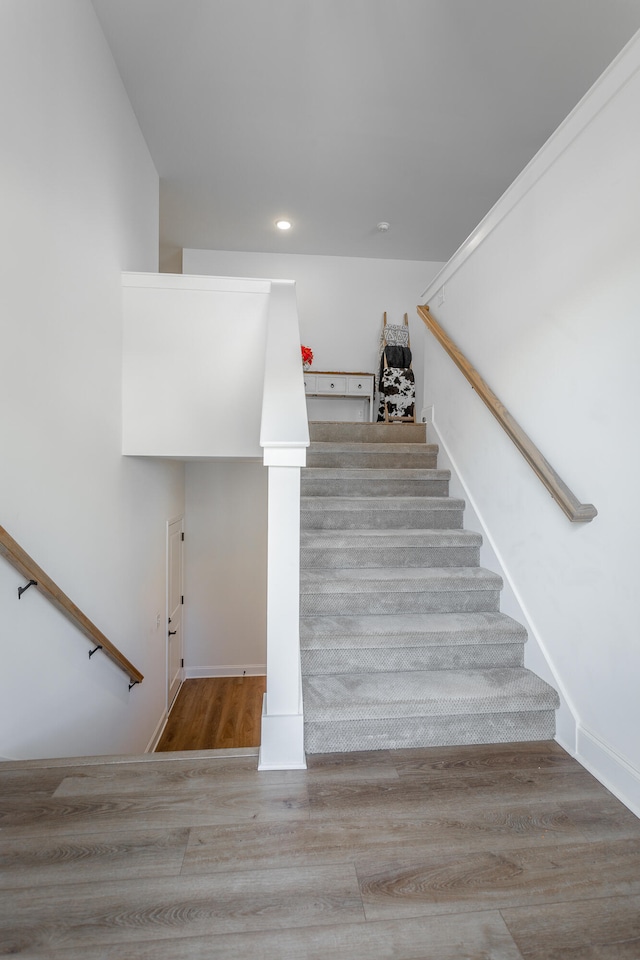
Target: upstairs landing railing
<point>18,558</point>
<point>576,512</point>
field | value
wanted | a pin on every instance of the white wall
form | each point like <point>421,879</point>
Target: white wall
<point>225,568</point>
<point>80,204</point>
<point>193,365</point>
<point>545,301</point>
<point>341,300</point>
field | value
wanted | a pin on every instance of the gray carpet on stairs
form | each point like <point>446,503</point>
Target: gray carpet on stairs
<point>402,640</point>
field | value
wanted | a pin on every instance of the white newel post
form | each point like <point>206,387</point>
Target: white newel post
<point>284,439</point>
<point>282,738</point>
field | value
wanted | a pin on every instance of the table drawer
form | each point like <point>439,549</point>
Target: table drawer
<point>359,386</point>
<point>329,384</point>
<point>310,382</point>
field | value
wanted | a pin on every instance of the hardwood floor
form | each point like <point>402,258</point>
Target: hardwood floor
<point>216,713</point>
<point>508,852</point>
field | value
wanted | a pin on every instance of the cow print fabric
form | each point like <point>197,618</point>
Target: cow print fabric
<point>397,392</point>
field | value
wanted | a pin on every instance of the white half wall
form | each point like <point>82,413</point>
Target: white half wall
<point>226,569</point>
<point>341,301</point>
<point>544,300</point>
<point>80,205</point>
<point>193,365</point>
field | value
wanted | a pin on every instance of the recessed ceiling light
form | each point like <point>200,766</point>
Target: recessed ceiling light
<point>283,224</point>
<point>383,226</point>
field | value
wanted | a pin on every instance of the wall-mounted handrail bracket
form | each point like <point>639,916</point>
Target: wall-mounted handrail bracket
<point>133,683</point>
<point>95,650</point>
<point>21,590</point>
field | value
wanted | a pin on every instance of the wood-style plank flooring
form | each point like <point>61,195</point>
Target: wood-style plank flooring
<point>508,852</point>
<point>215,713</point>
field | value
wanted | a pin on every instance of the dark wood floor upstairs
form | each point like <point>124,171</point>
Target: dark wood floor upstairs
<point>474,853</point>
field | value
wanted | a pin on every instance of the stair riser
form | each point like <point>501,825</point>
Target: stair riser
<point>421,458</point>
<point>408,732</point>
<point>391,557</point>
<point>367,519</point>
<point>311,487</point>
<point>354,604</point>
<point>367,432</point>
<point>325,662</point>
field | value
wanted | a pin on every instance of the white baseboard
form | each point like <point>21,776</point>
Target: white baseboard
<point>229,670</point>
<point>537,654</point>
<point>613,771</point>
<point>157,733</point>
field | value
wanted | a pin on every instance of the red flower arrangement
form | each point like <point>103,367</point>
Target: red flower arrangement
<point>307,356</point>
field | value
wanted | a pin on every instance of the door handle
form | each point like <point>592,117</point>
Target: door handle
<point>172,632</point>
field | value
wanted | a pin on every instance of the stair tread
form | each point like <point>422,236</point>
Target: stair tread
<point>389,503</point>
<point>409,630</point>
<point>425,693</point>
<point>396,579</point>
<point>376,473</point>
<point>389,537</point>
<point>345,446</point>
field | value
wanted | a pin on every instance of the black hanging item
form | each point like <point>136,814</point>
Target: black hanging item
<point>396,382</point>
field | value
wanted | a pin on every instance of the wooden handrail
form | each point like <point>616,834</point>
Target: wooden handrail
<point>576,512</point>
<point>13,552</point>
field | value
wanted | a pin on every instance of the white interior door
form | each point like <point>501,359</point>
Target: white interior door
<point>175,599</point>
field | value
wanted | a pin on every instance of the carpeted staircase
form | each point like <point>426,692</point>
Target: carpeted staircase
<point>403,644</point>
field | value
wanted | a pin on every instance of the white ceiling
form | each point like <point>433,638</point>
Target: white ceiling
<point>341,113</point>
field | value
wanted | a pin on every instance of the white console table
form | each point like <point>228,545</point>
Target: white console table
<point>355,386</point>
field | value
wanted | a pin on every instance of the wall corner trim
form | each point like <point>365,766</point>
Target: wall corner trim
<point>613,771</point>
<point>616,75</point>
